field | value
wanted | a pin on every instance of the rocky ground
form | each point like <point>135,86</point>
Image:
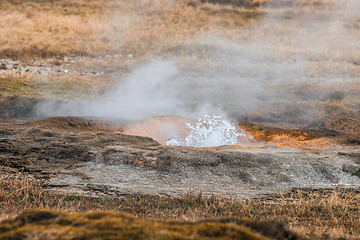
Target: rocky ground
<point>92,156</point>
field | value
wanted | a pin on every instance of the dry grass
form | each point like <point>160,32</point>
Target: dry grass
<point>57,86</point>
<point>45,224</point>
<point>51,30</point>
<point>48,28</point>
<point>11,85</point>
<point>314,213</point>
<point>58,28</point>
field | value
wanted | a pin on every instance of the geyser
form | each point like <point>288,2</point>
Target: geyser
<point>210,130</point>
<point>207,131</point>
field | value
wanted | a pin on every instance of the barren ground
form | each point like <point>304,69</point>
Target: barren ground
<point>93,157</point>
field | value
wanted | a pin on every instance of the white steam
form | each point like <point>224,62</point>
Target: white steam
<point>142,94</point>
<point>268,71</point>
<point>210,130</point>
<point>283,68</point>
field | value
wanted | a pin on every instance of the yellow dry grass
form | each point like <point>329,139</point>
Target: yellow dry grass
<point>140,29</point>
<point>318,214</point>
<point>36,32</point>
<point>41,224</point>
<point>57,28</point>
<point>58,86</point>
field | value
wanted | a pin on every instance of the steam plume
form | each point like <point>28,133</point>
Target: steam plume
<point>270,71</point>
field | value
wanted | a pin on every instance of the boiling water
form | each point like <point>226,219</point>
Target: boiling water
<point>210,130</point>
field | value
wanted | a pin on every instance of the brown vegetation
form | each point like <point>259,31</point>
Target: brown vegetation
<point>44,224</point>
<point>61,87</point>
<point>61,28</point>
<point>332,212</point>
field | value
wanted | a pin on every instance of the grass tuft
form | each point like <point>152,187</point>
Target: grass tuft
<point>332,212</point>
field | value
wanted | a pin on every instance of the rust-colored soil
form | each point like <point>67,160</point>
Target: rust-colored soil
<point>164,127</point>
<point>286,137</point>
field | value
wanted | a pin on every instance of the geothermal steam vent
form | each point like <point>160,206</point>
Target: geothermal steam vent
<point>207,131</point>
<point>210,130</point>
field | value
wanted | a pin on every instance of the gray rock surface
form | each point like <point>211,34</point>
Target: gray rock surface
<point>79,158</point>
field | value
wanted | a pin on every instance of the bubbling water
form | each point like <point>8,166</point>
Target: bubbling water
<point>210,130</point>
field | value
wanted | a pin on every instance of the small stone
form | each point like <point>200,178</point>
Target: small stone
<point>3,66</point>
